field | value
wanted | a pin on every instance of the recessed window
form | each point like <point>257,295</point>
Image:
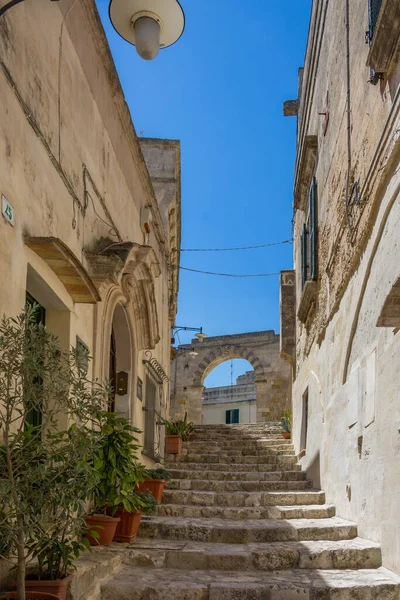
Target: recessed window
<point>232,416</point>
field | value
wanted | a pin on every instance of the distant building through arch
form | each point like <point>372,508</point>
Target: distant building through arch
<point>260,348</point>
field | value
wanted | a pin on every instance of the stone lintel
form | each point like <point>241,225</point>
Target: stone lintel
<point>305,171</point>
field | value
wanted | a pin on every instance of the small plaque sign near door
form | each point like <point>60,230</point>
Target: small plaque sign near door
<point>122,383</point>
<point>7,210</point>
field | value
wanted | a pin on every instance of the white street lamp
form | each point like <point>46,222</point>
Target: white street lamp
<point>148,24</point>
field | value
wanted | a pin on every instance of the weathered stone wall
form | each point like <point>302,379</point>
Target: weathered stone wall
<point>73,169</point>
<point>261,349</point>
<point>348,364</point>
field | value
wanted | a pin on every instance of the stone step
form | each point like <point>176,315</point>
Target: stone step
<point>226,531</point>
<point>236,486</point>
<point>343,554</point>
<point>237,499</point>
<point>280,464</point>
<point>240,476</point>
<point>271,451</point>
<point>225,444</point>
<point>297,584</point>
<point>91,568</point>
<point>206,459</point>
<point>237,513</point>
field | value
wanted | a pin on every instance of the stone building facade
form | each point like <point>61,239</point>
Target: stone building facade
<point>260,348</point>
<point>231,403</point>
<point>91,215</point>
<point>340,306</point>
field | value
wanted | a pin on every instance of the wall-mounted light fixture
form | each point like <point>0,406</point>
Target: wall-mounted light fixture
<point>150,25</point>
<point>200,335</point>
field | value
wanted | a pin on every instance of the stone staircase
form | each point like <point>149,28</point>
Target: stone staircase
<point>239,521</point>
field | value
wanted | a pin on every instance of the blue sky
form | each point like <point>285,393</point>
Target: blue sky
<point>220,90</point>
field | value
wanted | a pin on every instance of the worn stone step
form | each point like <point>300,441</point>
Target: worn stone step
<point>240,476</point>
<point>205,459</point>
<point>229,444</point>
<point>246,531</point>
<point>343,554</point>
<point>236,486</point>
<point>279,465</point>
<point>235,499</point>
<point>91,568</point>
<point>281,450</point>
<point>296,584</point>
<point>238,513</point>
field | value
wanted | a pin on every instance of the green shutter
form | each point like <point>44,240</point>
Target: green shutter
<point>313,231</point>
<point>227,417</point>
<point>303,245</point>
<point>34,415</point>
<point>235,416</point>
<point>374,7</point>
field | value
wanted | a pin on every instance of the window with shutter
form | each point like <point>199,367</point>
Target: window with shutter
<point>313,223</point>
<point>304,258</point>
<point>374,7</point>
<point>232,416</point>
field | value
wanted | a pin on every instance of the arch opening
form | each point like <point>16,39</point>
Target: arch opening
<point>229,393</point>
<point>121,363</point>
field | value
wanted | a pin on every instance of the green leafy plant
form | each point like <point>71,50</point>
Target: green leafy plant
<point>159,474</point>
<point>183,428</point>
<point>115,461</point>
<point>286,422</point>
<point>144,502</point>
<point>44,473</point>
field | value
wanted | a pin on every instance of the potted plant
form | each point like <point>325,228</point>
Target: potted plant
<point>177,431</point>
<point>45,476</point>
<point>286,425</point>
<point>119,473</point>
<point>155,482</point>
<point>130,519</point>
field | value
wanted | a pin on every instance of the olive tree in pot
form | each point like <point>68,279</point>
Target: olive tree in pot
<point>119,473</point>
<point>44,473</point>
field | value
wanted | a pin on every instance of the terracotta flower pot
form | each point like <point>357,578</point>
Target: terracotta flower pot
<point>128,525</point>
<point>105,527</point>
<point>31,596</point>
<point>174,444</point>
<point>155,487</point>
<point>286,435</point>
<point>57,587</point>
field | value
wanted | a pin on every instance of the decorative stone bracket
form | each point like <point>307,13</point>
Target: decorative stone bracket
<point>132,267</point>
<point>307,302</point>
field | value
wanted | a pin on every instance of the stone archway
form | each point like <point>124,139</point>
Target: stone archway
<point>261,349</point>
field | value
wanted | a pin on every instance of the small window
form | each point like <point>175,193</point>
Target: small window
<point>232,416</point>
<point>309,270</point>
<point>82,355</point>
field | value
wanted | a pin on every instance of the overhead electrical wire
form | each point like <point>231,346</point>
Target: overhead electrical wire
<point>231,249</point>
<point>229,274</point>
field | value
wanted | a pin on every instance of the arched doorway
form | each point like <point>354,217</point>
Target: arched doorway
<point>229,394</point>
<point>121,364</point>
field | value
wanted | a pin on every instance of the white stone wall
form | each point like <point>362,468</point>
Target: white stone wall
<point>351,367</point>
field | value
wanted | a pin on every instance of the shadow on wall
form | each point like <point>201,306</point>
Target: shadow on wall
<point>314,471</point>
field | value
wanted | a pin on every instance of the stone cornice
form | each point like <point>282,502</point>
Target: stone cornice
<point>305,171</point>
